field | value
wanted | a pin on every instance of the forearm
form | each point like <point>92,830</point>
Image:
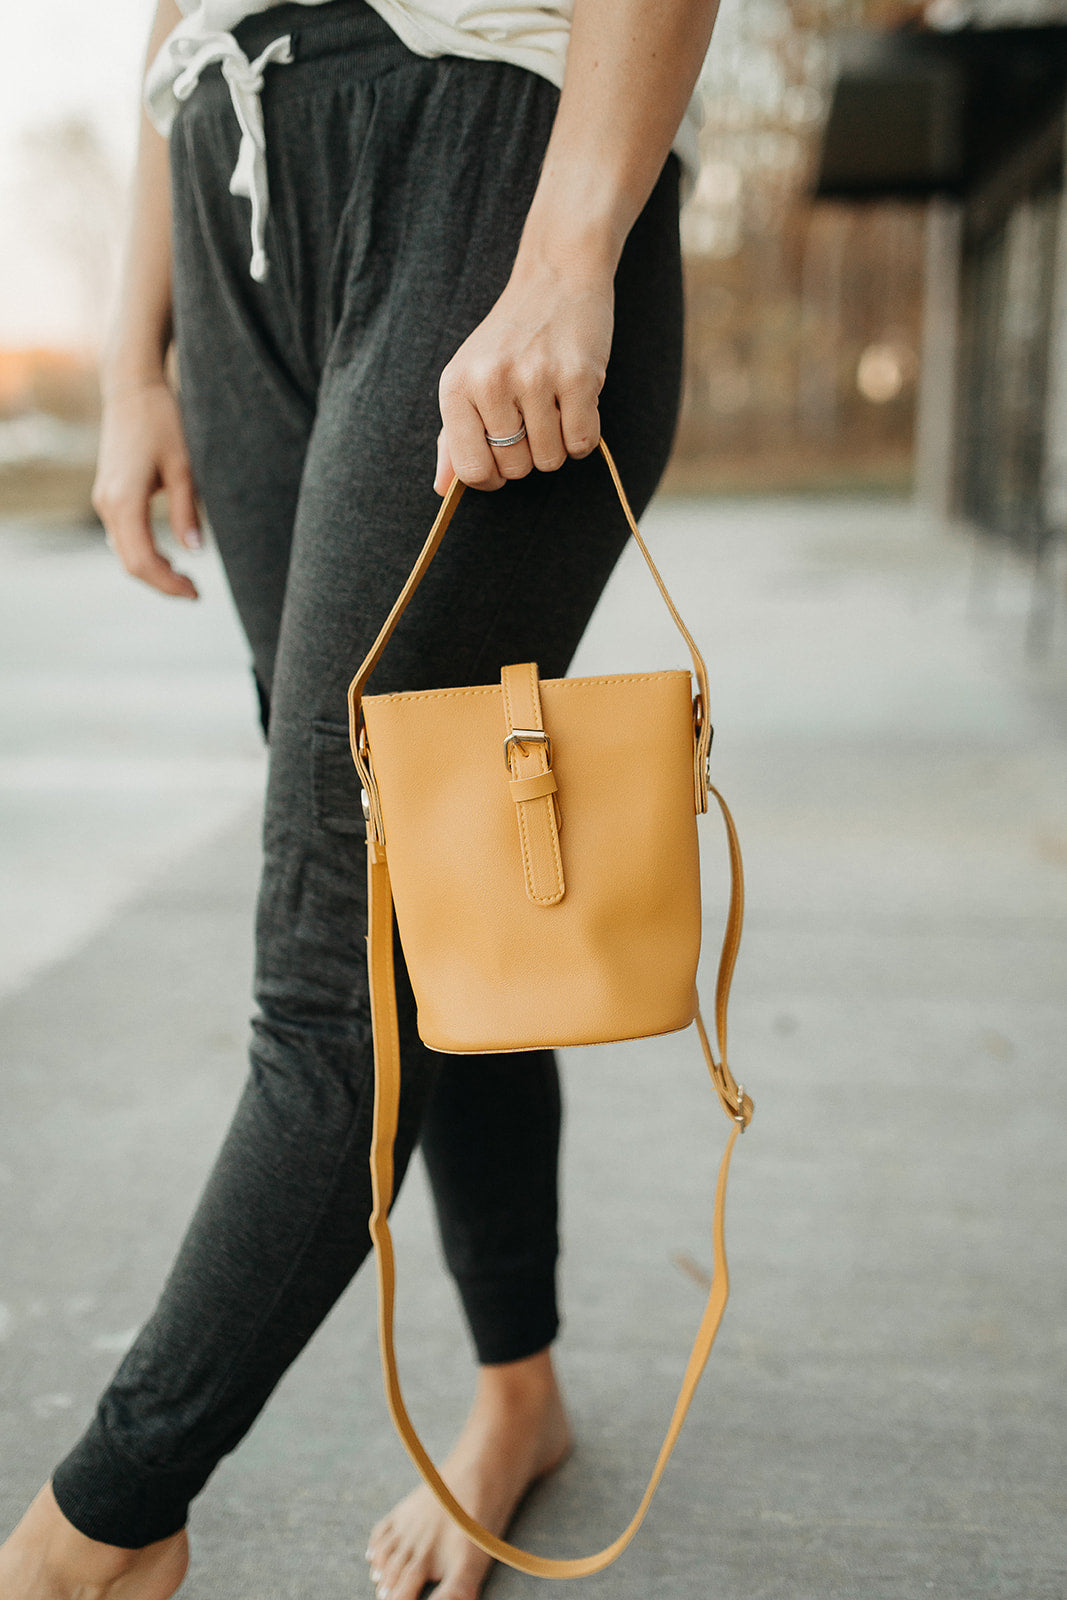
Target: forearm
<point>631,68</point>
<point>140,329</point>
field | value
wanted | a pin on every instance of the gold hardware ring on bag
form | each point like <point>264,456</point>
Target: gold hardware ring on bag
<point>521,934</point>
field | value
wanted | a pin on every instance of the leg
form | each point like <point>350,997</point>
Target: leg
<point>490,1141</point>
<point>233,353</point>
<point>281,1227</point>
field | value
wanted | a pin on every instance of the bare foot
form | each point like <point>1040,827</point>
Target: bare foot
<point>517,1432</point>
<point>46,1558</point>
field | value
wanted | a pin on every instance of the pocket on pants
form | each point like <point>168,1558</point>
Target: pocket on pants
<point>335,782</point>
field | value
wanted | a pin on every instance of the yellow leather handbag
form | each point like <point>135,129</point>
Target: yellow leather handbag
<point>539,840</point>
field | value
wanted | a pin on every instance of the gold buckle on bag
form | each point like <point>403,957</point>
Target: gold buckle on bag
<point>522,737</point>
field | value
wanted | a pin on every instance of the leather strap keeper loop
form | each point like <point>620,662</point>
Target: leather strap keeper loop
<point>533,788</point>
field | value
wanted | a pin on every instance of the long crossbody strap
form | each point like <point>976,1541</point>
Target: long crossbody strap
<point>735,1102</point>
<point>702,743</point>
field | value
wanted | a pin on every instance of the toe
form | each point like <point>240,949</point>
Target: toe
<point>456,1588</point>
<point>464,1575</point>
<point>412,1580</point>
<point>382,1552</point>
<point>393,1569</point>
<point>378,1534</point>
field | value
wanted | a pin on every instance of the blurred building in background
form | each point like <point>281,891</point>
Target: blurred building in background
<point>963,106</point>
<point>804,318</point>
<point>876,265</point>
<point>59,233</point>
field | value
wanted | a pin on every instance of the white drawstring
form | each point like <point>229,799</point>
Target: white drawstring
<point>245,79</point>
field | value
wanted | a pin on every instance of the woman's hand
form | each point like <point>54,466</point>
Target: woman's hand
<point>538,358</point>
<point>142,449</point>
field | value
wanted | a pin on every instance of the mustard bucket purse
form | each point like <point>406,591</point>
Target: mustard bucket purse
<point>538,838</point>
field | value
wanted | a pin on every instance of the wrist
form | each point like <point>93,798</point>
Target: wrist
<point>129,363</point>
<point>116,386</point>
<point>570,241</point>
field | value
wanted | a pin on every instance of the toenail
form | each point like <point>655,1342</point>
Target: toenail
<point>375,1574</point>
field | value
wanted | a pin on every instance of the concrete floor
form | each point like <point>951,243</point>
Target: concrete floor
<point>885,1414</point>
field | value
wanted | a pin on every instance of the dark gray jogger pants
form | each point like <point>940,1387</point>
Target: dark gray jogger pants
<point>399,186</point>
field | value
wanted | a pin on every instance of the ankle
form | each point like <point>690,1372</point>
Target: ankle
<point>530,1382</point>
<point>87,1567</point>
<point>99,1562</point>
<point>67,1559</point>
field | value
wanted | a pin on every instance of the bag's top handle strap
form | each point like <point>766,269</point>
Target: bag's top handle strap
<point>702,743</point>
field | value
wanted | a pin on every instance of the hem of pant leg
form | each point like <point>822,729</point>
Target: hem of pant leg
<point>510,1318</point>
<point>97,1470</point>
<point>110,1497</point>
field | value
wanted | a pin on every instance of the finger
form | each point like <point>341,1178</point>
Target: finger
<point>468,451</point>
<point>544,436</point>
<point>131,537</point>
<point>159,574</point>
<point>512,460</point>
<point>181,504</point>
<point>579,414</point>
<point>445,470</point>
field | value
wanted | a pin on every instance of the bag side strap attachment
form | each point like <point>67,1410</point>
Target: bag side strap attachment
<point>735,1102</point>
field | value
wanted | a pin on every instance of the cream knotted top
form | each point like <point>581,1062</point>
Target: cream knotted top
<point>519,31</point>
